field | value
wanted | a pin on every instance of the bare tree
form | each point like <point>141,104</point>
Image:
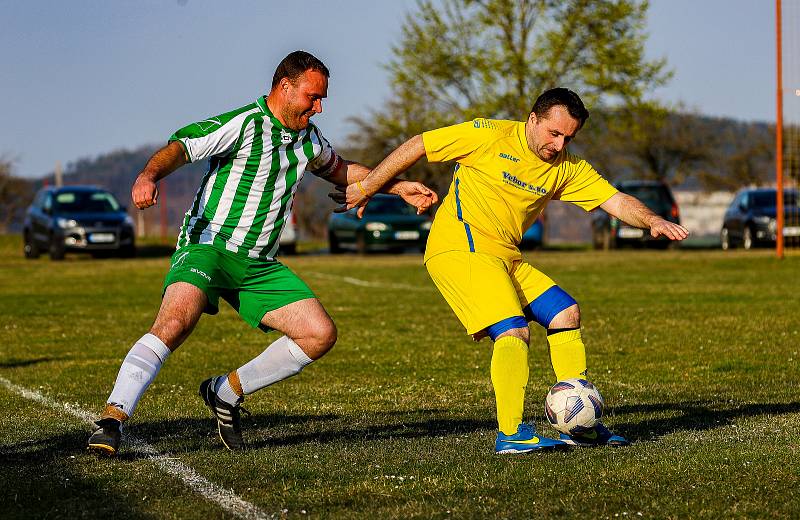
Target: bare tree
<point>15,194</point>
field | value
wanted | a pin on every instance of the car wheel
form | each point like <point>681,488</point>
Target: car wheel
<point>725,239</point>
<point>333,244</point>
<point>56,249</point>
<point>747,238</point>
<point>30,248</point>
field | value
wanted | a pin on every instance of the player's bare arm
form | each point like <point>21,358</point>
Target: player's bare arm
<point>350,173</point>
<point>401,159</point>
<point>631,211</point>
<point>165,161</point>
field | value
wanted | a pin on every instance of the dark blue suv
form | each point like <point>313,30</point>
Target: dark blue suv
<point>750,220</point>
<point>77,218</point>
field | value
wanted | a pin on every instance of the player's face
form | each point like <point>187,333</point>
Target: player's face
<point>548,135</point>
<point>303,99</point>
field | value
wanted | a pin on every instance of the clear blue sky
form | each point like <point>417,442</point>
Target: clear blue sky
<point>88,77</point>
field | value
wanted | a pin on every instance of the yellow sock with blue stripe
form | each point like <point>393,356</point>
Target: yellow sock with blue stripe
<point>567,354</point>
<point>509,372</point>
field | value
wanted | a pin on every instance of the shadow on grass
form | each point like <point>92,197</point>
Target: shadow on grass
<point>16,363</point>
<point>271,430</point>
<point>50,477</point>
<point>39,480</point>
<point>691,416</point>
<point>30,462</point>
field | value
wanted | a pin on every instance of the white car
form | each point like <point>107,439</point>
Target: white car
<point>288,239</point>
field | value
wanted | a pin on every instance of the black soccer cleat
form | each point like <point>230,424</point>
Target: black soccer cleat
<point>228,417</point>
<point>105,439</point>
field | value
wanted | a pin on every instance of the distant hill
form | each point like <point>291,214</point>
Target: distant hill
<point>117,170</point>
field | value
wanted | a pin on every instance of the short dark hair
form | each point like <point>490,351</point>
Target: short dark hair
<point>560,96</point>
<point>295,64</point>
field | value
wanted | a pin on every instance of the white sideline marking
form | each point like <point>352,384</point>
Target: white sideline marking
<point>365,283</point>
<point>224,498</point>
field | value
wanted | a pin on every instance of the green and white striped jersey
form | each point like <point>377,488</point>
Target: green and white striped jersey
<point>255,166</point>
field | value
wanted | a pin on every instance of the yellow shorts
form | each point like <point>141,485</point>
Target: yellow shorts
<point>484,289</point>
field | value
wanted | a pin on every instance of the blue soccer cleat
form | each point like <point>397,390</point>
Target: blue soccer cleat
<point>599,435</point>
<point>524,441</point>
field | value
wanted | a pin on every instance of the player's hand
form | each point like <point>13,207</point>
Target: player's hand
<point>416,194</point>
<point>144,192</point>
<point>350,197</point>
<point>661,227</point>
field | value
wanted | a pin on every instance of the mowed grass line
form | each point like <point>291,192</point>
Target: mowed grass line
<point>695,352</point>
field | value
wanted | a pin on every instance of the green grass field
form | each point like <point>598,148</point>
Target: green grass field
<point>696,353</point>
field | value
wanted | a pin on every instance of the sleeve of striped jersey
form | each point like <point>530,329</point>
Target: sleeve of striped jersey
<point>212,136</point>
<point>327,160</point>
<point>583,186</point>
<point>457,142</point>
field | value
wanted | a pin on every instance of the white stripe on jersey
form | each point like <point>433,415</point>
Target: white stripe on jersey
<point>275,204</point>
<point>228,193</point>
<point>250,210</point>
<point>302,161</point>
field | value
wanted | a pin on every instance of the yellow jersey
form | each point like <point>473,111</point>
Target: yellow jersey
<point>500,186</point>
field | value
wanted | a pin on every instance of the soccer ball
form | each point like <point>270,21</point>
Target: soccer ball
<point>573,406</point>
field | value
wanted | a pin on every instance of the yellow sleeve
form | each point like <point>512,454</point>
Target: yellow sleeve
<point>584,187</point>
<point>457,142</point>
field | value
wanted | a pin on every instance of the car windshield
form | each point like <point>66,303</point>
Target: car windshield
<point>389,206</point>
<point>86,202</point>
<point>654,197</point>
<point>768,199</point>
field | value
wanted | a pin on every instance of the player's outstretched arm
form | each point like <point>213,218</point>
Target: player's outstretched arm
<point>402,158</point>
<point>414,193</point>
<point>165,161</point>
<point>631,211</point>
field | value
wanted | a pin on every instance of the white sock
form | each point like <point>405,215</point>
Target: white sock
<point>283,359</point>
<point>225,391</point>
<point>138,370</point>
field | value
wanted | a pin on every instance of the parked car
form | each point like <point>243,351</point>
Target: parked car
<point>609,232</point>
<point>388,224</point>
<point>750,219</point>
<point>533,237</point>
<point>77,218</point>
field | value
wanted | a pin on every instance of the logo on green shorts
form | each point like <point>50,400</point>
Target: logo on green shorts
<point>201,273</point>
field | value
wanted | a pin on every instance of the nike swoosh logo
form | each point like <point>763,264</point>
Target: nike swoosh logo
<point>534,440</point>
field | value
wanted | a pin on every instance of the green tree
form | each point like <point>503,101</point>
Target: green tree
<point>460,59</point>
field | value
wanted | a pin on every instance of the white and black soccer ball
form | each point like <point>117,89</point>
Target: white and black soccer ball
<point>573,406</point>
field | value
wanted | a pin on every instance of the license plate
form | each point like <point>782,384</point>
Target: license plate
<point>101,238</point>
<point>791,231</point>
<point>630,233</point>
<point>406,235</point>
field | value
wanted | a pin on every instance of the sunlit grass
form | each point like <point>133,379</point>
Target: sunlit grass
<point>696,353</point>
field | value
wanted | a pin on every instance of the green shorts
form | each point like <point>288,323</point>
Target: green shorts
<point>252,287</point>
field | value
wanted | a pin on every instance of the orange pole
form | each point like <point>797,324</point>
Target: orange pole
<point>779,137</point>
